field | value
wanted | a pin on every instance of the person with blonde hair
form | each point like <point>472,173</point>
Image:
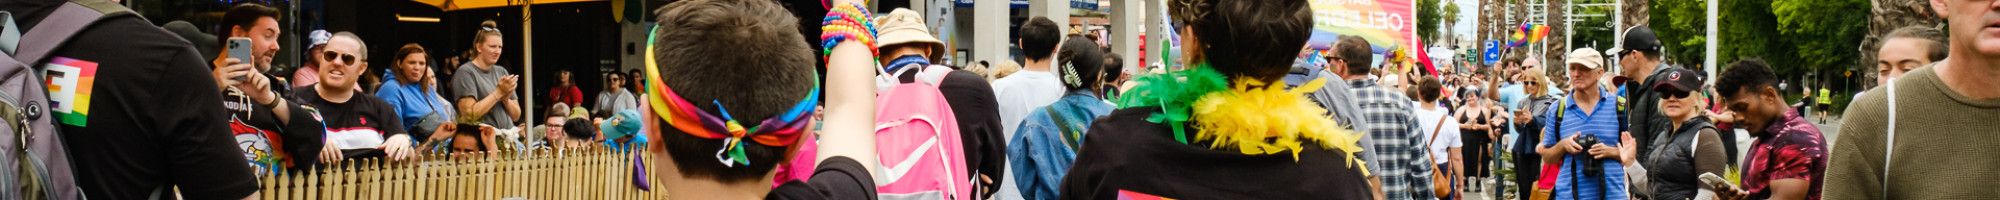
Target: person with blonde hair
<point>484,90</point>
<point>1002,69</point>
<point>1528,128</point>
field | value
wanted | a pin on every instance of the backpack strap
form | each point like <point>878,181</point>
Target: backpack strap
<point>1889,143</point>
<point>60,26</point>
<point>40,155</point>
<point>1434,137</point>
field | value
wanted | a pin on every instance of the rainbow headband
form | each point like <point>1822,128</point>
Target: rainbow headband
<point>781,130</point>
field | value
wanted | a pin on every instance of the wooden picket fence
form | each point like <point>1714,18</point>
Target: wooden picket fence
<point>534,174</point>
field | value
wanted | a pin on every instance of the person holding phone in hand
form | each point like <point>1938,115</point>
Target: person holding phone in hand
<point>259,103</point>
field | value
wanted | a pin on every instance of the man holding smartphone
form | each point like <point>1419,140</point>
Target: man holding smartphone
<point>273,131</point>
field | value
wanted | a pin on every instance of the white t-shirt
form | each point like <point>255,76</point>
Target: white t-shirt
<point>614,101</point>
<point>1020,94</point>
<point>1447,137</point>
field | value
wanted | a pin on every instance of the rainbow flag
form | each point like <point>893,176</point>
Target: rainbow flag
<point>1130,195</point>
<point>1527,34</point>
<point>69,83</point>
<point>1386,24</point>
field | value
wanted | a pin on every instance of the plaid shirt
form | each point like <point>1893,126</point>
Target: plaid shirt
<point>1387,117</point>
<point>1791,149</point>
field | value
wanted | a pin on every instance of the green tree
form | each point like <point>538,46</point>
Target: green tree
<point>1826,33</point>
<point>1681,26</point>
<point>1450,16</point>
<point>1427,19</point>
<point>1794,36</point>
<point>1593,26</point>
<point>1750,30</point>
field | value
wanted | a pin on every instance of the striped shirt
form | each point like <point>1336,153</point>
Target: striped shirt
<point>1386,116</point>
<point>1601,122</point>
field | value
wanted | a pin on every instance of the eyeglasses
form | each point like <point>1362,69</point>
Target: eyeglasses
<point>342,58</point>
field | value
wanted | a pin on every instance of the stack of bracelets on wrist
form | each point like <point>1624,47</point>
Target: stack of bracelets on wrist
<point>847,22</point>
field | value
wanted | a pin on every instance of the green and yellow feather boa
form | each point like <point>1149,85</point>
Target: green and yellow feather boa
<point>1253,117</point>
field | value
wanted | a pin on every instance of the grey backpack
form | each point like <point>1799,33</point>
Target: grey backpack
<point>35,165</point>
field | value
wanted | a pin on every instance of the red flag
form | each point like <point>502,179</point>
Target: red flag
<point>1423,57</point>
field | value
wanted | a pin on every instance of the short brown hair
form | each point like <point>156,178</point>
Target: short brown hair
<point>1429,89</point>
<point>1357,53</point>
<point>1936,37</point>
<point>245,15</point>
<point>707,51</point>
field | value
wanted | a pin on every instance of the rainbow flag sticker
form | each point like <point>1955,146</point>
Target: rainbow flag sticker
<point>1130,195</point>
<point>69,81</point>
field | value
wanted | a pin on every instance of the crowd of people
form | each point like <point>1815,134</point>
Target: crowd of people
<point>733,101</point>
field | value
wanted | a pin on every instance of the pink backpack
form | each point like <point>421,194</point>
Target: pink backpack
<point>803,163</point>
<point>800,168</point>
<point>917,141</point>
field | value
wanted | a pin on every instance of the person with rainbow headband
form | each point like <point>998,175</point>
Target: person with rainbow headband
<point>1226,127</point>
<point>721,140</point>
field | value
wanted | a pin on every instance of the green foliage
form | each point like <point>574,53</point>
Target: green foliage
<point>1427,19</point>
<point>1592,31</point>
<point>1450,15</point>
<point>1826,33</point>
<point>1795,36</point>
<point>1681,26</point>
<point>1750,30</point>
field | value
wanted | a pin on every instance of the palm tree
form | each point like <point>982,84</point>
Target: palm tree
<point>1553,53</point>
<point>1635,13</point>
<point>1889,15</point>
<point>1450,20</point>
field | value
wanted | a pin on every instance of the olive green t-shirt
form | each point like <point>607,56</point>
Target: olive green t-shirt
<point>1947,145</point>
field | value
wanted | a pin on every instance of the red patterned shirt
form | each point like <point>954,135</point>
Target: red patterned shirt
<point>1792,149</point>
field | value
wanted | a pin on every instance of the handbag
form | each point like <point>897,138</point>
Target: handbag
<point>1440,184</point>
<point>1540,194</point>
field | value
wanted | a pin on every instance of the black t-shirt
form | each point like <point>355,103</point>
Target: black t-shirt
<point>360,116</point>
<point>836,178</point>
<point>972,101</point>
<point>155,118</point>
<point>1125,156</point>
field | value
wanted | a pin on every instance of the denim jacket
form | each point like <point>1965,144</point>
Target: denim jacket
<point>1041,152</point>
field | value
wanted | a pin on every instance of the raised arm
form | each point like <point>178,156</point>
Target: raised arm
<point>850,103</point>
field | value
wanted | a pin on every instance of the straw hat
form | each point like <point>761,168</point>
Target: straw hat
<point>905,26</point>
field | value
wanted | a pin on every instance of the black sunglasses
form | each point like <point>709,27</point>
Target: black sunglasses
<point>338,57</point>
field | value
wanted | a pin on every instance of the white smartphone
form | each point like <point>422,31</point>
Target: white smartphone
<point>1712,179</point>
<point>239,48</point>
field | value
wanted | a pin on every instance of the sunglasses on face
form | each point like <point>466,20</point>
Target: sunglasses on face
<point>338,57</point>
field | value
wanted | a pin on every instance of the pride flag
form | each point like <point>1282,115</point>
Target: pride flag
<point>1527,34</point>
<point>1386,24</point>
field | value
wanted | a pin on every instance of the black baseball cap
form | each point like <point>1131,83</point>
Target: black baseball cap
<point>1639,38</point>
<point>1678,80</point>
